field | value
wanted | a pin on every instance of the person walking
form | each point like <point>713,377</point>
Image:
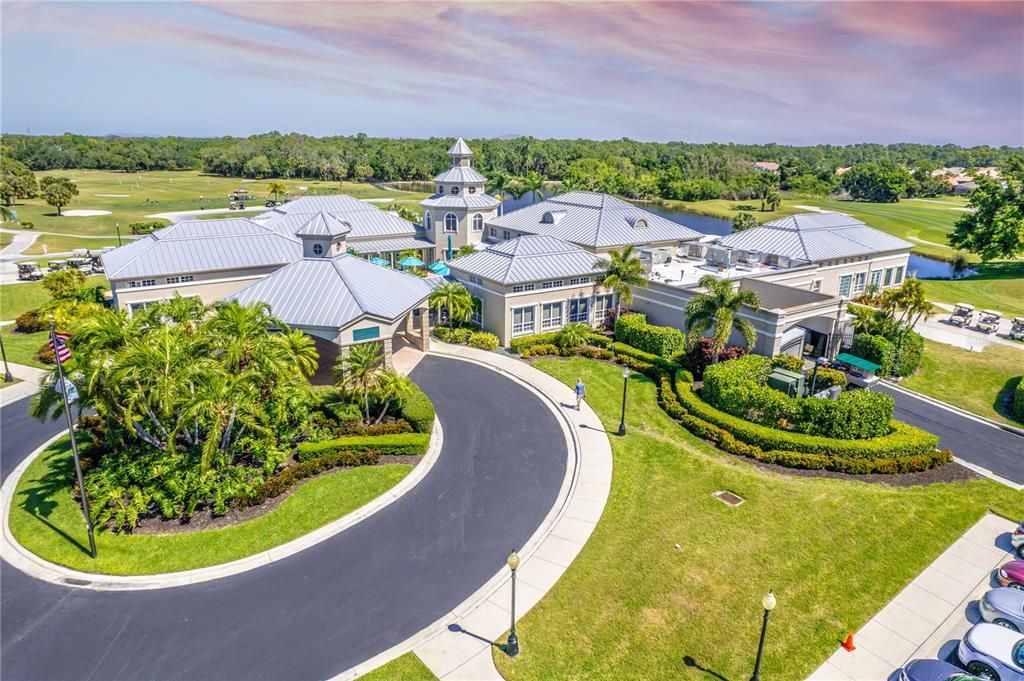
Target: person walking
<point>581,392</point>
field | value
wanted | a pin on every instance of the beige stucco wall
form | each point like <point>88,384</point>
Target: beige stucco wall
<point>464,236</point>
<point>830,274</point>
<point>209,286</point>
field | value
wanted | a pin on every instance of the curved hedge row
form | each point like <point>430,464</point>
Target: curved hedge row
<point>1017,406</point>
<point>906,449</point>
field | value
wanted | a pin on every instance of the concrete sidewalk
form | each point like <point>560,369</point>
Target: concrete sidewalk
<point>29,384</point>
<point>929,612</point>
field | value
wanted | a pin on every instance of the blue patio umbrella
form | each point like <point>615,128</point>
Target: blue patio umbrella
<point>440,268</point>
<point>379,261</point>
<point>410,261</point>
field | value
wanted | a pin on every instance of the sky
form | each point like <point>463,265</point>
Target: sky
<point>834,72</point>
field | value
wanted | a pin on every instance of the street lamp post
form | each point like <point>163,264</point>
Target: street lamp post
<point>820,362</point>
<point>513,641</point>
<point>7,371</point>
<point>625,382</point>
<point>768,603</point>
<point>117,226</point>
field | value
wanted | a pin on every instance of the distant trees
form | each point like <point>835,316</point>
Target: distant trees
<point>995,226</point>
<point>16,181</point>
<point>882,182</point>
<point>57,191</point>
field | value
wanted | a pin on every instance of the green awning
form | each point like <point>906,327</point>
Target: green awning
<point>859,362</point>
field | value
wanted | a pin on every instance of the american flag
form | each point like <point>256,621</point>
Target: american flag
<point>59,346</point>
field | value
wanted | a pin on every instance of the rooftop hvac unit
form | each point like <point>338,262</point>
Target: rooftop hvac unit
<point>720,256</point>
<point>752,256</point>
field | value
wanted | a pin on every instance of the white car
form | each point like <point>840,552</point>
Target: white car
<point>1017,539</point>
<point>993,652</point>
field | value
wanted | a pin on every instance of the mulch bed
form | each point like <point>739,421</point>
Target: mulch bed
<point>205,520</point>
<point>950,472</point>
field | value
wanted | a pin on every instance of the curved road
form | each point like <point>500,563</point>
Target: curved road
<point>333,605</point>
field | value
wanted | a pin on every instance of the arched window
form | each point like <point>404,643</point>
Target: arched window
<point>451,222</point>
<point>428,222</point>
<point>440,189</point>
<point>455,190</point>
<point>478,223</point>
<point>318,249</point>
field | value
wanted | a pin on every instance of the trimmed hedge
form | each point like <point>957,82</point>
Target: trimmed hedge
<point>633,329</point>
<point>623,350</point>
<point>483,341</point>
<point>281,482</point>
<point>788,362</point>
<point>459,335</point>
<point>906,461</point>
<point>895,357</point>
<point>357,428</point>
<point>409,444</point>
<point>523,343</point>
<point>903,440</point>
<point>1017,406</point>
<point>419,411</point>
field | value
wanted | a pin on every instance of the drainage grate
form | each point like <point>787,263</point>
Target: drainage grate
<point>728,498</point>
<point>76,582</point>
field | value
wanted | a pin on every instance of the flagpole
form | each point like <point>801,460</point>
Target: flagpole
<point>74,443</point>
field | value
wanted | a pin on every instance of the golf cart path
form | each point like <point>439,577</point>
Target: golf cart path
<point>336,604</point>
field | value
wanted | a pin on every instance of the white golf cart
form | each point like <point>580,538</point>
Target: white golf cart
<point>988,321</point>
<point>962,315</point>
<point>29,271</point>
<point>1017,329</point>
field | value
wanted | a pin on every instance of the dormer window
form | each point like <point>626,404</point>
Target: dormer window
<point>552,217</point>
<point>318,249</point>
<point>455,190</point>
<point>637,222</point>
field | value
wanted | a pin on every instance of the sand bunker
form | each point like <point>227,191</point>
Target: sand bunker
<point>85,213</point>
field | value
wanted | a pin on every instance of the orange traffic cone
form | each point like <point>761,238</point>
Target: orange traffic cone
<point>848,643</point>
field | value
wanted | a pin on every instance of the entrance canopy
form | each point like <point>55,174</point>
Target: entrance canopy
<point>859,362</point>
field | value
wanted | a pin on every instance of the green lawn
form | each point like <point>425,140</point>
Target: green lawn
<point>975,381</point>
<point>21,348</point>
<point>997,286</point>
<point>408,667</point>
<point>18,298</point>
<point>45,519</point>
<point>5,239</point>
<point>633,606</point>
<point>53,243</point>
<point>132,196</point>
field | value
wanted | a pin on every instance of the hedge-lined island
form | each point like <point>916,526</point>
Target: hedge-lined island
<point>205,418</point>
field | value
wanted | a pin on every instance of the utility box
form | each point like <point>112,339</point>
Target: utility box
<point>789,382</point>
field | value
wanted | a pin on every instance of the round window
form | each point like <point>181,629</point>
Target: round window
<point>318,249</point>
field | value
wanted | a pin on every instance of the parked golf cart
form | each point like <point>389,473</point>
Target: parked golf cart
<point>859,371</point>
<point>1017,329</point>
<point>239,195</point>
<point>79,260</point>
<point>962,315</point>
<point>272,204</point>
<point>29,271</point>
<point>96,264</point>
<point>56,265</point>
<point>988,321</point>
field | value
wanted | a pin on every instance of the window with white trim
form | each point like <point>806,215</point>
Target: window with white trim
<point>816,284</point>
<point>181,279</point>
<point>859,281</point>
<point>455,190</point>
<point>478,223</point>
<point>318,249</point>
<point>845,282</point>
<point>556,283</point>
<point>522,320</point>
<point>888,276</point>
<point>519,288</point>
<point>579,310</point>
<point>428,222</point>
<point>602,304</point>
<point>140,283</point>
<point>551,316</point>
<point>899,275</point>
<point>472,190</point>
<point>577,281</point>
<point>451,222</point>
<point>506,235</point>
<point>876,278</point>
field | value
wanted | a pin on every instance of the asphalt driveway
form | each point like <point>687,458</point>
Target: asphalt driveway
<point>331,606</point>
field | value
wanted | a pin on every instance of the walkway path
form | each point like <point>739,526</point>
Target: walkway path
<point>382,586</point>
<point>929,612</point>
<point>29,384</point>
<point>938,329</point>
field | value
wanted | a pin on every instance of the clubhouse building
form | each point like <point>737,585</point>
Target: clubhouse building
<point>330,265</point>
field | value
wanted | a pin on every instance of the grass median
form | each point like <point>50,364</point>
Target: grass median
<point>16,299</point>
<point>46,520</point>
<point>670,583</point>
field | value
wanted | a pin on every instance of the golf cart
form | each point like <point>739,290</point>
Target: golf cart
<point>56,265</point>
<point>962,314</point>
<point>29,271</point>
<point>859,371</point>
<point>1017,329</point>
<point>80,259</point>
<point>988,321</point>
<point>271,203</point>
<point>239,195</point>
<point>96,263</point>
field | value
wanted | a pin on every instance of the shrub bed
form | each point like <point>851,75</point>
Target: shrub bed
<point>1017,406</point>
<point>419,411</point>
<point>483,341</point>
<point>459,335</point>
<point>31,321</point>
<point>407,444</point>
<point>622,350</point>
<point>740,438</point>
<point>281,482</point>
<point>357,428</point>
<point>895,357</point>
<point>633,329</point>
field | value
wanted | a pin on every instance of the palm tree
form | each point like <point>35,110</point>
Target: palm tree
<point>357,370</point>
<point>533,184</point>
<point>573,335</point>
<point>766,183</point>
<point>910,301</point>
<point>622,271</point>
<point>392,386</point>
<point>871,320</point>
<point>716,311</point>
<point>302,351</point>
<point>773,198</point>
<point>497,184</point>
<point>454,298</point>
<point>277,188</point>
<point>222,402</point>
<point>403,211</point>
<point>465,249</point>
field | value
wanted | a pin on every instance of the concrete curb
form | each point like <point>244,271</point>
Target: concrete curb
<point>956,410</point>
<point>34,566</point>
<point>459,645</point>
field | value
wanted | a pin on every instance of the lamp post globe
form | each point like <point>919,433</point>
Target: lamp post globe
<point>625,382</point>
<point>768,603</point>
<point>512,648</point>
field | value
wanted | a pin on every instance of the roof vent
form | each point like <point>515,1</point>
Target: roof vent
<point>552,217</point>
<point>637,222</point>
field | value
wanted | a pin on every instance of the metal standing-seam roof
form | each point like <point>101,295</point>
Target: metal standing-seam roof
<point>461,174</point>
<point>333,292</point>
<point>814,237</point>
<point>527,258</point>
<point>365,220</point>
<point>462,200</point>
<point>460,148</point>
<point>594,220</point>
<point>401,243</point>
<point>324,224</point>
<point>201,246</point>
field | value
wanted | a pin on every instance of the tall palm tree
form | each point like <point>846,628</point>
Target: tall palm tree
<point>302,351</point>
<point>357,370</point>
<point>392,386</point>
<point>403,211</point>
<point>533,184</point>
<point>277,189</point>
<point>497,185</point>
<point>454,298</point>
<point>622,271</point>
<point>716,311</point>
